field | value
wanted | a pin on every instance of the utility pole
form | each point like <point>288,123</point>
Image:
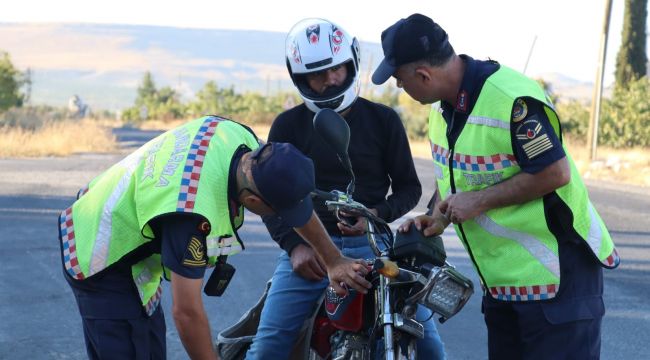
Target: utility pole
<point>530,52</point>
<point>28,85</point>
<point>592,136</point>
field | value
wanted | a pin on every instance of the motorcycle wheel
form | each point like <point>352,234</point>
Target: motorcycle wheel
<point>314,355</point>
<point>406,349</point>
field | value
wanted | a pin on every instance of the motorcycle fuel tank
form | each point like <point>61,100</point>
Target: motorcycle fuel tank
<point>345,312</point>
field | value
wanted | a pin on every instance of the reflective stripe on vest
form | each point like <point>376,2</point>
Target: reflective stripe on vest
<point>147,273</point>
<point>218,246</point>
<point>482,120</point>
<point>595,239</point>
<point>68,247</point>
<point>534,246</point>
<point>194,164</point>
<point>103,239</point>
<point>471,162</point>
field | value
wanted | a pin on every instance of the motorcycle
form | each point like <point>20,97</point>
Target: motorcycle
<point>409,270</point>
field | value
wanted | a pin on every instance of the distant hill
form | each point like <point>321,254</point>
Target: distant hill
<point>104,64</point>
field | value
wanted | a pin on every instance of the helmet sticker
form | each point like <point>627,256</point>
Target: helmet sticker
<point>337,40</point>
<point>295,52</point>
<point>337,36</point>
<point>313,33</point>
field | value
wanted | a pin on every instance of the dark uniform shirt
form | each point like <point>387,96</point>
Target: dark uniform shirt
<point>380,156</point>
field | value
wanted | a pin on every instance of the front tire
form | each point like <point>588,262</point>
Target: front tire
<point>406,349</point>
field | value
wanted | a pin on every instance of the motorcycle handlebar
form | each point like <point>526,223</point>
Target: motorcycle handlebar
<point>325,195</point>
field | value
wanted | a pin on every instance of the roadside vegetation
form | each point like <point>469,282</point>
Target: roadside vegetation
<point>49,137</point>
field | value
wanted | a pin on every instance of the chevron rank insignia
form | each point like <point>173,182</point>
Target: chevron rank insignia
<point>195,254</point>
<point>533,138</point>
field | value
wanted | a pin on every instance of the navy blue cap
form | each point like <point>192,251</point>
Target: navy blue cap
<point>285,179</point>
<point>415,38</point>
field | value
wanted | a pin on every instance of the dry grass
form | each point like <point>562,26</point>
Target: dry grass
<point>630,166</point>
<point>59,138</point>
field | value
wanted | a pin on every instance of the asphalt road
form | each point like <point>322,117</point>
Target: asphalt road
<point>40,318</point>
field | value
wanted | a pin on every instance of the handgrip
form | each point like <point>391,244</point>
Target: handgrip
<point>325,195</point>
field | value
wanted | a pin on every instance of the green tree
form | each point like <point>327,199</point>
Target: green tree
<point>10,83</point>
<point>166,104</point>
<point>626,118</point>
<point>631,61</point>
<point>574,117</point>
<point>152,103</point>
<point>548,90</point>
<point>146,90</point>
<point>389,96</point>
<point>414,115</point>
<point>207,100</point>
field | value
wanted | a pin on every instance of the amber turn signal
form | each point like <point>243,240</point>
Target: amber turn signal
<point>387,268</point>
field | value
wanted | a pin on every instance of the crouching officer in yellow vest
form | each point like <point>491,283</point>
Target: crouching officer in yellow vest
<point>171,209</point>
<point>512,192</point>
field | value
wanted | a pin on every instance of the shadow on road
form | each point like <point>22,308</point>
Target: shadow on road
<point>132,138</point>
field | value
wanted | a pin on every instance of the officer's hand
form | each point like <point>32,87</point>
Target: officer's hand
<point>428,225</point>
<point>460,207</point>
<point>344,272</point>
<point>305,262</point>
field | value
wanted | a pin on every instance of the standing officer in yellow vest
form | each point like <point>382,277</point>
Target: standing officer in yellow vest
<point>172,208</point>
<point>506,182</point>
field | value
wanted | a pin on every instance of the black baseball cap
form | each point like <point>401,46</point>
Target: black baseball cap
<point>285,180</point>
<point>411,39</point>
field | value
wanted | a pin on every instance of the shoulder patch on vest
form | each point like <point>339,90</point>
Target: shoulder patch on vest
<point>533,138</point>
<point>195,254</point>
<point>519,111</point>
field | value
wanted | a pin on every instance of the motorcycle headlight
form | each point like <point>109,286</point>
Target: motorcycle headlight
<point>448,291</point>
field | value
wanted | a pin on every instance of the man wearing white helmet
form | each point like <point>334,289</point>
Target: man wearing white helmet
<point>323,62</point>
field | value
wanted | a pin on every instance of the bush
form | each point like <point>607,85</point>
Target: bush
<point>32,117</point>
<point>625,120</point>
<point>415,117</point>
<point>574,117</point>
<point>10,82</point>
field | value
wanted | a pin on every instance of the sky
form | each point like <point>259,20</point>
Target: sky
<point>561,36</point>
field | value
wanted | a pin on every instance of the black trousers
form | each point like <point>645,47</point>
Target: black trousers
<point>566,327</point>
<point>114,321</point>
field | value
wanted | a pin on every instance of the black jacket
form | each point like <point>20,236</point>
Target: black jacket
<point>380,156</point>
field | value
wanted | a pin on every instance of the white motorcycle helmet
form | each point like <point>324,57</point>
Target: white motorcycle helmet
<point>315,45</point>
